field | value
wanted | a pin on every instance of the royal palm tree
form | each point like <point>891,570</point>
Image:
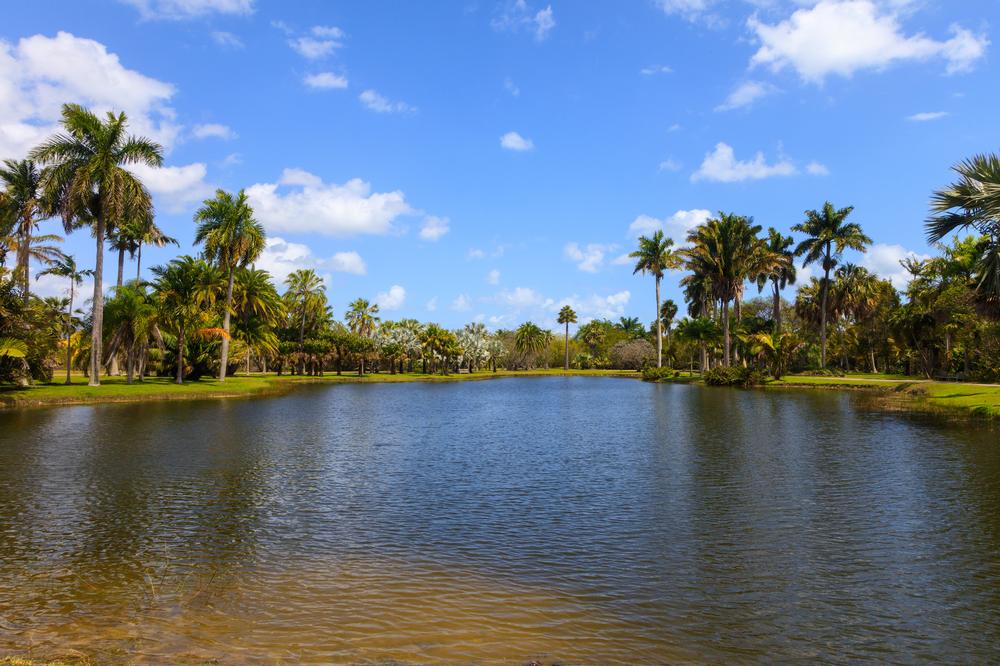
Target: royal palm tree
<point>566,317</point>
<point>20,203</point>
<point>654,256</point>
<point>87,183</point>
<point>66,267</point>
<point>305,299</point>
<point>782,274</point>
<point>185,289</point>
<point>232,239</point>
<point>151,235</point>
<point>828,234</point>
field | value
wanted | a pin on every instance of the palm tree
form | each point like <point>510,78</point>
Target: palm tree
<point>726,252</point>
<point>655,256</point>
<point>305,297</point>
<point>703,331</point>
<point>132,320</point>
<point>66,267</point>
<point>362,319</point>
<point>667,313</point>
<point>566,316</point>
<point>258,308</point>
<point>529,339</point>
<point>86,182</point>
<point>974,201</point>
<point>631,326</point>
<point>151,235</point>
<point>828,234</point>
<point>184,288</point>
<point>232,239</point>
<point>20,202</point>
<point>782,274</point>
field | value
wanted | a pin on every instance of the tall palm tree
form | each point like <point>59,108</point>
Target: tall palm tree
<point>20,202</point>
<point>305,298</point>
<point>726,251</point>
<point>654,256</point>
<point>973,201</point>
<point>362,320</point>
<point>667,313</point>
<point>258,309</point>
<point>66,267</point>
<point>782,274</point>
<point>131,321</point>
<point>86,182</point>
<point>185,288</point>
<point>828,234</point>
<point>232,239</point>
<point>151,235</point>
<point>566,317</point>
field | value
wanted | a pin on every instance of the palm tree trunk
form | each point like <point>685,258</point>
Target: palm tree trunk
<point>130,365</point>
<point>777,307</point>
<point>179,379</point>
<point>225,326</point>
<point>24,258</point>
<point>822,314</point>
<point>97,317</point>
<point>69,330</point>
<point>565,350</point>
<point>302,335</point>
<point>121,266</point>
<point>138,262</point>
<point>659,328</point>
<point>725,333</point>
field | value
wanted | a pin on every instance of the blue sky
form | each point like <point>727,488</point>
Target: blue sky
<point>493,160</point>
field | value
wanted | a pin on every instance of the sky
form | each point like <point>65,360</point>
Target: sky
<point>493,160</point>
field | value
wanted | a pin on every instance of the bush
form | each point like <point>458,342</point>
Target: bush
<point>632,355</point>
<point>722,376</point>
<point>654,374</point>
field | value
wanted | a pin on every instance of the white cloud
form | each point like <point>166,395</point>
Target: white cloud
<point>392,299</point>
<point>511,87</point>
<point>432,304</point>
<point>817,169</point>
<point>675,227</point>
<point>45,286</point>
<point>518,16</point>
<point>213,130</point>
<point>884,259</point>
<point>475,253</point>
<point>721,166</point>
<point>521,298</point>
<point>312,48</point>
<point>493,277</point>
<point>461,303</point>
<point>670,164</point>
<point>434,227</point>
<point>300,202</point>
<point>348,262</point>
<point>590,258</point>
<point>227,39</point>
<point>746,94</point>
<point>281,257</point>
<point>927,116</point>
<point>692,10</point>
<point>514,141</point>
<point>325,81</point>
<point>595,306</point>
<point>177,187</point>
<point>379,104</point>
<point>327,31</point>
<point>184,9</point>
<point>39,74</point>
<point>649,70</point>
<point>845,36</point>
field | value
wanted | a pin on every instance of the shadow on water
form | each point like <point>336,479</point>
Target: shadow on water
<point>564,519</point>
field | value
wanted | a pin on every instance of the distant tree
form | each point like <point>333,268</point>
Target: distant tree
<point>566,317</point>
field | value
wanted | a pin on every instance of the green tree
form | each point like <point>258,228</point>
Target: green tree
<point>781,274</point>
<point>185,289</point>
<point>87,183</point>
<point>66,267</point>
<point>131,317</point>
<point>20,204</point>
<point>668,311</point>
<point>654,256</point>
<point>232,239</point>
<point>305,300</point>
<point>566,317</point>
<point>362,320</point>
<point>530,340</point>
<point>828,234</point>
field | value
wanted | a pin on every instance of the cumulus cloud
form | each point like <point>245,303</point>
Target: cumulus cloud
<point>214,131</point>
<point>589,258</point>
<point>521,298</point>
<point>392,299</point>
<point>434,228</point>
<point>185,9</point>
<point>301,202</point>
<point>379,104</point>
<point>845,36</point>
<point>312,48</point>
<point>518,15</point>
<point>721,166</point>
<point>927,116</point>
<point>178,188</point>
<point>596,306</point>
<point>281,257</point>
<point>676,227</point>
<point>493,277</point>
<point>432,305</point>
<point>461,303</point>
<point>227,39</point>
<point>817,169</point>
<point>670,164</point>
<point>746,94</point>
<point>884,259</point>
<point>39,74</point>
<point>475,253</point>
<point>325,81</point>
<point>514,141</point>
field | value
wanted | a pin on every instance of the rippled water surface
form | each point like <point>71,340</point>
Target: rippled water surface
<point>569,520</point>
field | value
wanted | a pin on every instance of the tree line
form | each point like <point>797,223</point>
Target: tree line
<point>216,313</point>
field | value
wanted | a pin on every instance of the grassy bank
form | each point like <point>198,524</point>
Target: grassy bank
<point>114,389</point>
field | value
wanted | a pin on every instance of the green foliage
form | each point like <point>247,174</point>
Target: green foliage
<point>734,376</point>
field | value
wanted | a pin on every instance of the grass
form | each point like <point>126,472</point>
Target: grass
<point>114,389</point>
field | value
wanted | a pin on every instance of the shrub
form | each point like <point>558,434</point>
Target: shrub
<point>654,374</point>
<point>632,354</point>
<point>722,376</point>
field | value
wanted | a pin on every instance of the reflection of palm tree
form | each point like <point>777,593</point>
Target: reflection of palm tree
<point>66,267</point>
<point>88,183</point>
<point>566,316</point>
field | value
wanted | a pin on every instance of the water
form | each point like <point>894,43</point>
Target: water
<point>569,520</point>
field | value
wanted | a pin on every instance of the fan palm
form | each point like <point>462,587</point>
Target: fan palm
<point>86,182</point>
<point>566,317</point>
<point>66,267</point>
<point>828,234</point>
<point>20,204</point>
<point>654,256</point>
<point>232,239</point>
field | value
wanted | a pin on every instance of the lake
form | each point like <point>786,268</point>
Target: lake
<point>560,519</point>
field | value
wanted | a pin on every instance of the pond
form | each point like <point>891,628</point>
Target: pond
<point>560,519</point>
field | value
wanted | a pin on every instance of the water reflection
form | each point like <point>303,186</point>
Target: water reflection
<point>560,519</point>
